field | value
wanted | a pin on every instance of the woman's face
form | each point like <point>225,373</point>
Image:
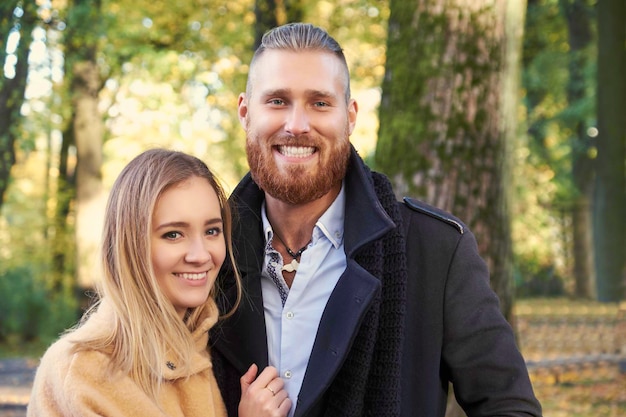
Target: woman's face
<point>188,246</point>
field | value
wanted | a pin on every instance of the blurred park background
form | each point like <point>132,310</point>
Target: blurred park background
<point>510,114</point>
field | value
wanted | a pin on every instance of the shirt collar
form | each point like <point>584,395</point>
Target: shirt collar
<point>329,225</point>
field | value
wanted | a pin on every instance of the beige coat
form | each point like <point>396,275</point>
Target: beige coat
<point>77,384</point>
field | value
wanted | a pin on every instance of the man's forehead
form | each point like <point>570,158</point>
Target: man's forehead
<point>285,57</point>
<point>295,64</point>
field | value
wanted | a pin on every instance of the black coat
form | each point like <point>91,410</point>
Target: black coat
<point>454,330</point>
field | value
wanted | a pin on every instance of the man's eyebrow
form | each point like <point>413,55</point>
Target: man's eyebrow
<point>320,94</point>
<point>279,92</point>
<point>311,93</point>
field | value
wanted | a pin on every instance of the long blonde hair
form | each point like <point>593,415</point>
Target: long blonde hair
<point>146,326</point>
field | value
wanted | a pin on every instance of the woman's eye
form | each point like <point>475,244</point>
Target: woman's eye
<point>171,235</point>
<point>214,231</point>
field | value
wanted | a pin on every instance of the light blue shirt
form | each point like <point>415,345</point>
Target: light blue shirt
<point>292,327</point>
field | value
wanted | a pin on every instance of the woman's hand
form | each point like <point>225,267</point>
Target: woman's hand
<point>263,396</point>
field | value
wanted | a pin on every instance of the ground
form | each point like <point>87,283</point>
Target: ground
<point>16,377</point>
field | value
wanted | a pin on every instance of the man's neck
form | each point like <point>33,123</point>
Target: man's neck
<point>294,223</point>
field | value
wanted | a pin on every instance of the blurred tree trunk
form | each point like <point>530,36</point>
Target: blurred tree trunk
<point>265,13</point>
<point>87,133</point>
<point>12,86</point>
<point>62,243</point>
<point>448,115</point>
<point>270,13</point>
<point>609,203</point>
<point>577,16</point>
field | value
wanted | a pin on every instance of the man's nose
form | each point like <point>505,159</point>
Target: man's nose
<point>298,121</point>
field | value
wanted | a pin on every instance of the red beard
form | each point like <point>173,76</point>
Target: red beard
<point>295,185</point>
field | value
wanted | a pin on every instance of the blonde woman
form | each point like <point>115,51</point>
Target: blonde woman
<point>141,351</point>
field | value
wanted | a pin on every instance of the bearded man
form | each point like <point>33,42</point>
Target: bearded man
<point>365,305</point>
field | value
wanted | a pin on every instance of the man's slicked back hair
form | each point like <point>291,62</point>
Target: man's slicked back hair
<point>297,37</point>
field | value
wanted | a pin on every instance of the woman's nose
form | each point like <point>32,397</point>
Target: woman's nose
<point>198,251</point>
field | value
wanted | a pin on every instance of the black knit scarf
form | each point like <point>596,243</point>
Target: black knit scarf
<point>368,384</point>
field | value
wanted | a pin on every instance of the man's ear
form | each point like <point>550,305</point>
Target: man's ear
<point>242,109</point>
<point>353,109</point>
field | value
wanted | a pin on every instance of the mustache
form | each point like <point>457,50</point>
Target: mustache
<point>295,140</point>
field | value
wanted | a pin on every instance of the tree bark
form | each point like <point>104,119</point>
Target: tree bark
<point>579,34</point>
<point>448,112</point>
<point>582,247</point>
<point>63,244</point>
<point>609,210</point>
<point>12,89</point>
<point>90,200</point>
<point>265,13</point>
<point>270,13</point>
<point>88,132</point>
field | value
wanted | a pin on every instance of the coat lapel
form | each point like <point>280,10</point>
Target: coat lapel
<point>340,321</point>
<point>365,221</point>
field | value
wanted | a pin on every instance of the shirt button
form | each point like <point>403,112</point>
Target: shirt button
<point>287,374</point>
<point>290,315</point>
<point>274,264</point>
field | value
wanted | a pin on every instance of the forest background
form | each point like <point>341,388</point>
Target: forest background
<point>510,114</point>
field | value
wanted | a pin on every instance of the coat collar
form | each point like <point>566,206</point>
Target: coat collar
<point>102,320</point>
<point>200,358</point>
<point>366,220</point>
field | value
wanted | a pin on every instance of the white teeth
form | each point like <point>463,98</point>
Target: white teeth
<point>296,151</point>
<point>193,277</point>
